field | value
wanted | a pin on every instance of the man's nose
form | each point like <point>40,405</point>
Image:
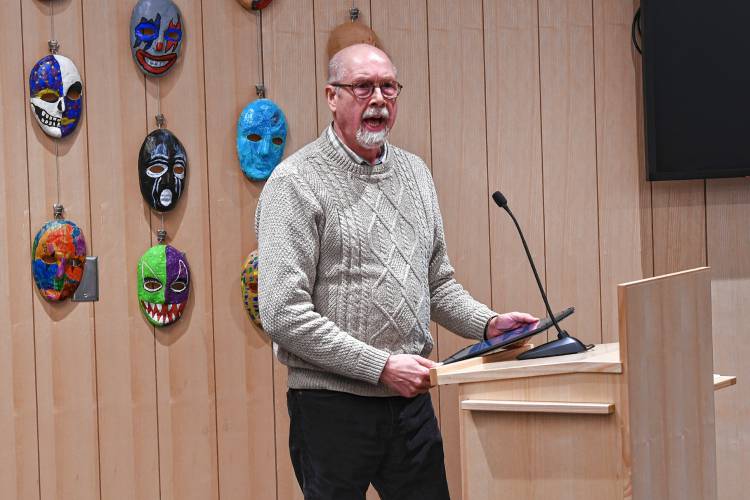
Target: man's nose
<point>377,96</point>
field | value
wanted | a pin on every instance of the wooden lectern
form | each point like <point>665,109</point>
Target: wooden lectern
<point>627,420</point>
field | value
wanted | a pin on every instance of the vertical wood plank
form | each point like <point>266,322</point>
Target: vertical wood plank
<point>185,376</point>
<point>459,168</point>
<point>19,459</point>
<point>244,371</point>
<point>569,160</point>
<point>126,380</point>
<point>289,66</point>
<point>679,212</point>
<point>514,150</point>
<point>328,15</point>
<point>625,239</point>
<point>728,213</point>
<point>402,27</point>
<point>64,333</point>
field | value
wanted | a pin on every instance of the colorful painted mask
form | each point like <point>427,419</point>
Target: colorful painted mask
<point>58,253</point>
<point>249,285</point>
<point>261,137</point>
<point>56,93</point>
<point>162,169</point>
<point>163,284</point>
<point>254,4</point>
<point>156,34</point>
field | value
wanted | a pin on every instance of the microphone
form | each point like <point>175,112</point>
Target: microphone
<point>564,344</point>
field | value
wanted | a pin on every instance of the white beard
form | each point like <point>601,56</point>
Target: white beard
<point>370,140</point>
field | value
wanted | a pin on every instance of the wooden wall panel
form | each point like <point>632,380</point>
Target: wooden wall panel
<point>19,459</point>
<point>64,332</point>
<point>126,380</point>
<point>243,358</point>
<point>728,213</point>
<point>679,212</point>
<point>328,15</point>
<point>624,196</point>
<point>569,163</point>
<point>459,167</point>
<point>514,150</point>
<point>289,67</point>
<point>185,351</point>
<point>402,27</point>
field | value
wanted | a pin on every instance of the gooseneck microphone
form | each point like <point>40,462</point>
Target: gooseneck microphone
<point>564,344</point>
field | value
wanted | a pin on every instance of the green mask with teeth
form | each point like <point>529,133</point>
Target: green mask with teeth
<point>163,284</point>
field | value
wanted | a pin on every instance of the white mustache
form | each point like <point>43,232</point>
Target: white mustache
<point>376,113</point>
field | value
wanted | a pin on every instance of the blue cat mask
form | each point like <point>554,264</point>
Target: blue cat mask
<point>261,137</point>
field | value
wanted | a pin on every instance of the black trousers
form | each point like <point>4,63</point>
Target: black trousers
<point>340,443</point>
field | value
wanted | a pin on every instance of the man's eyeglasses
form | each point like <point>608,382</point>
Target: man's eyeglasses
<point>364,90</point>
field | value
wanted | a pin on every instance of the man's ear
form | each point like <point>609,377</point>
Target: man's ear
<point>331,97</point>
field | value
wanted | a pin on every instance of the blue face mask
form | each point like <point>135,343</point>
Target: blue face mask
<point>261,137</point>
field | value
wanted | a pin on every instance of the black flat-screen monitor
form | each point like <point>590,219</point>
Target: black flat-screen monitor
<point>696,88</point>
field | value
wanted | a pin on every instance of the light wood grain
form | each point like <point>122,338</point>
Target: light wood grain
<point>243,357</point>
<point>723,381</point>
<point>19,458</point>
<point>126,379</point>
<point>728,252</point>
<point>569,163</point>
<point>624,195</point>
<point>665,340</point>
<point>289,66</point>
<point>459,170</point>
<point>64,332</point>
<point>537,456</point>
<point>679,218</point>
<point>603,358</point>
<point>185,350</point>
<point>514,150</point>
<point>538,407</point>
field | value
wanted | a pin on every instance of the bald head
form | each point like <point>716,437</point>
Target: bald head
<point>345,61</point>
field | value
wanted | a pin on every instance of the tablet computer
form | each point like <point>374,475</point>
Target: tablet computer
<point>506,338</point>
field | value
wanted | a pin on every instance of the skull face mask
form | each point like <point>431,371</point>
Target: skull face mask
<point>56,91</point>
<point>249,285</point>
<point>261,137</point>
<point>58,254</point>
<point>156,35</point>
<point>163,284</point>
<point>162,169</point>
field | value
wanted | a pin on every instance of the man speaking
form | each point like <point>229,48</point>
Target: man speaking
<point>352,267</point>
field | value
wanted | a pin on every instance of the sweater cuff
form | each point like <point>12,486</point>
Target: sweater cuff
<point>370,365</point>
<point>479,322</point>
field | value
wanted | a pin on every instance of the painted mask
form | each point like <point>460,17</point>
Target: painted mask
<point>254,4</point>
<point>58,255</point>
<point>249,285</point>
<point>156,34</point>
<point>56,93</point>
<point>261,137</point>
<point>163,284</point>
<point>162,169</point>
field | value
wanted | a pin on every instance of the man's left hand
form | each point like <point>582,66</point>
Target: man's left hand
<point>508,321</point>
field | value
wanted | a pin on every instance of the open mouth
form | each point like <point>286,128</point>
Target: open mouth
<point>46,118</point>
<point>163,314</point>
<point>156,64</point>
<point>375,123</point>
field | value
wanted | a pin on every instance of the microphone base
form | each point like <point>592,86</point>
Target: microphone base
<point>557,347</point>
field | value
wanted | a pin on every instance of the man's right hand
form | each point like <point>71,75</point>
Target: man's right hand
<point>407,374</point>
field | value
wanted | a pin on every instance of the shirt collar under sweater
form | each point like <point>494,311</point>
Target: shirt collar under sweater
<point>339,158</point>
<point>338,143</point>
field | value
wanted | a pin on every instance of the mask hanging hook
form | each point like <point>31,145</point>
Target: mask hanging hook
<point>353,13</point>
<point>260,88</point>
<point>160,119</point>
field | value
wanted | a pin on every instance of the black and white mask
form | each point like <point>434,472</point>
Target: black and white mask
<point>162,169</point>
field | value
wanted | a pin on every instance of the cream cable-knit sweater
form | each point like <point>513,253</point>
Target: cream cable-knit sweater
<point>352,263</point>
